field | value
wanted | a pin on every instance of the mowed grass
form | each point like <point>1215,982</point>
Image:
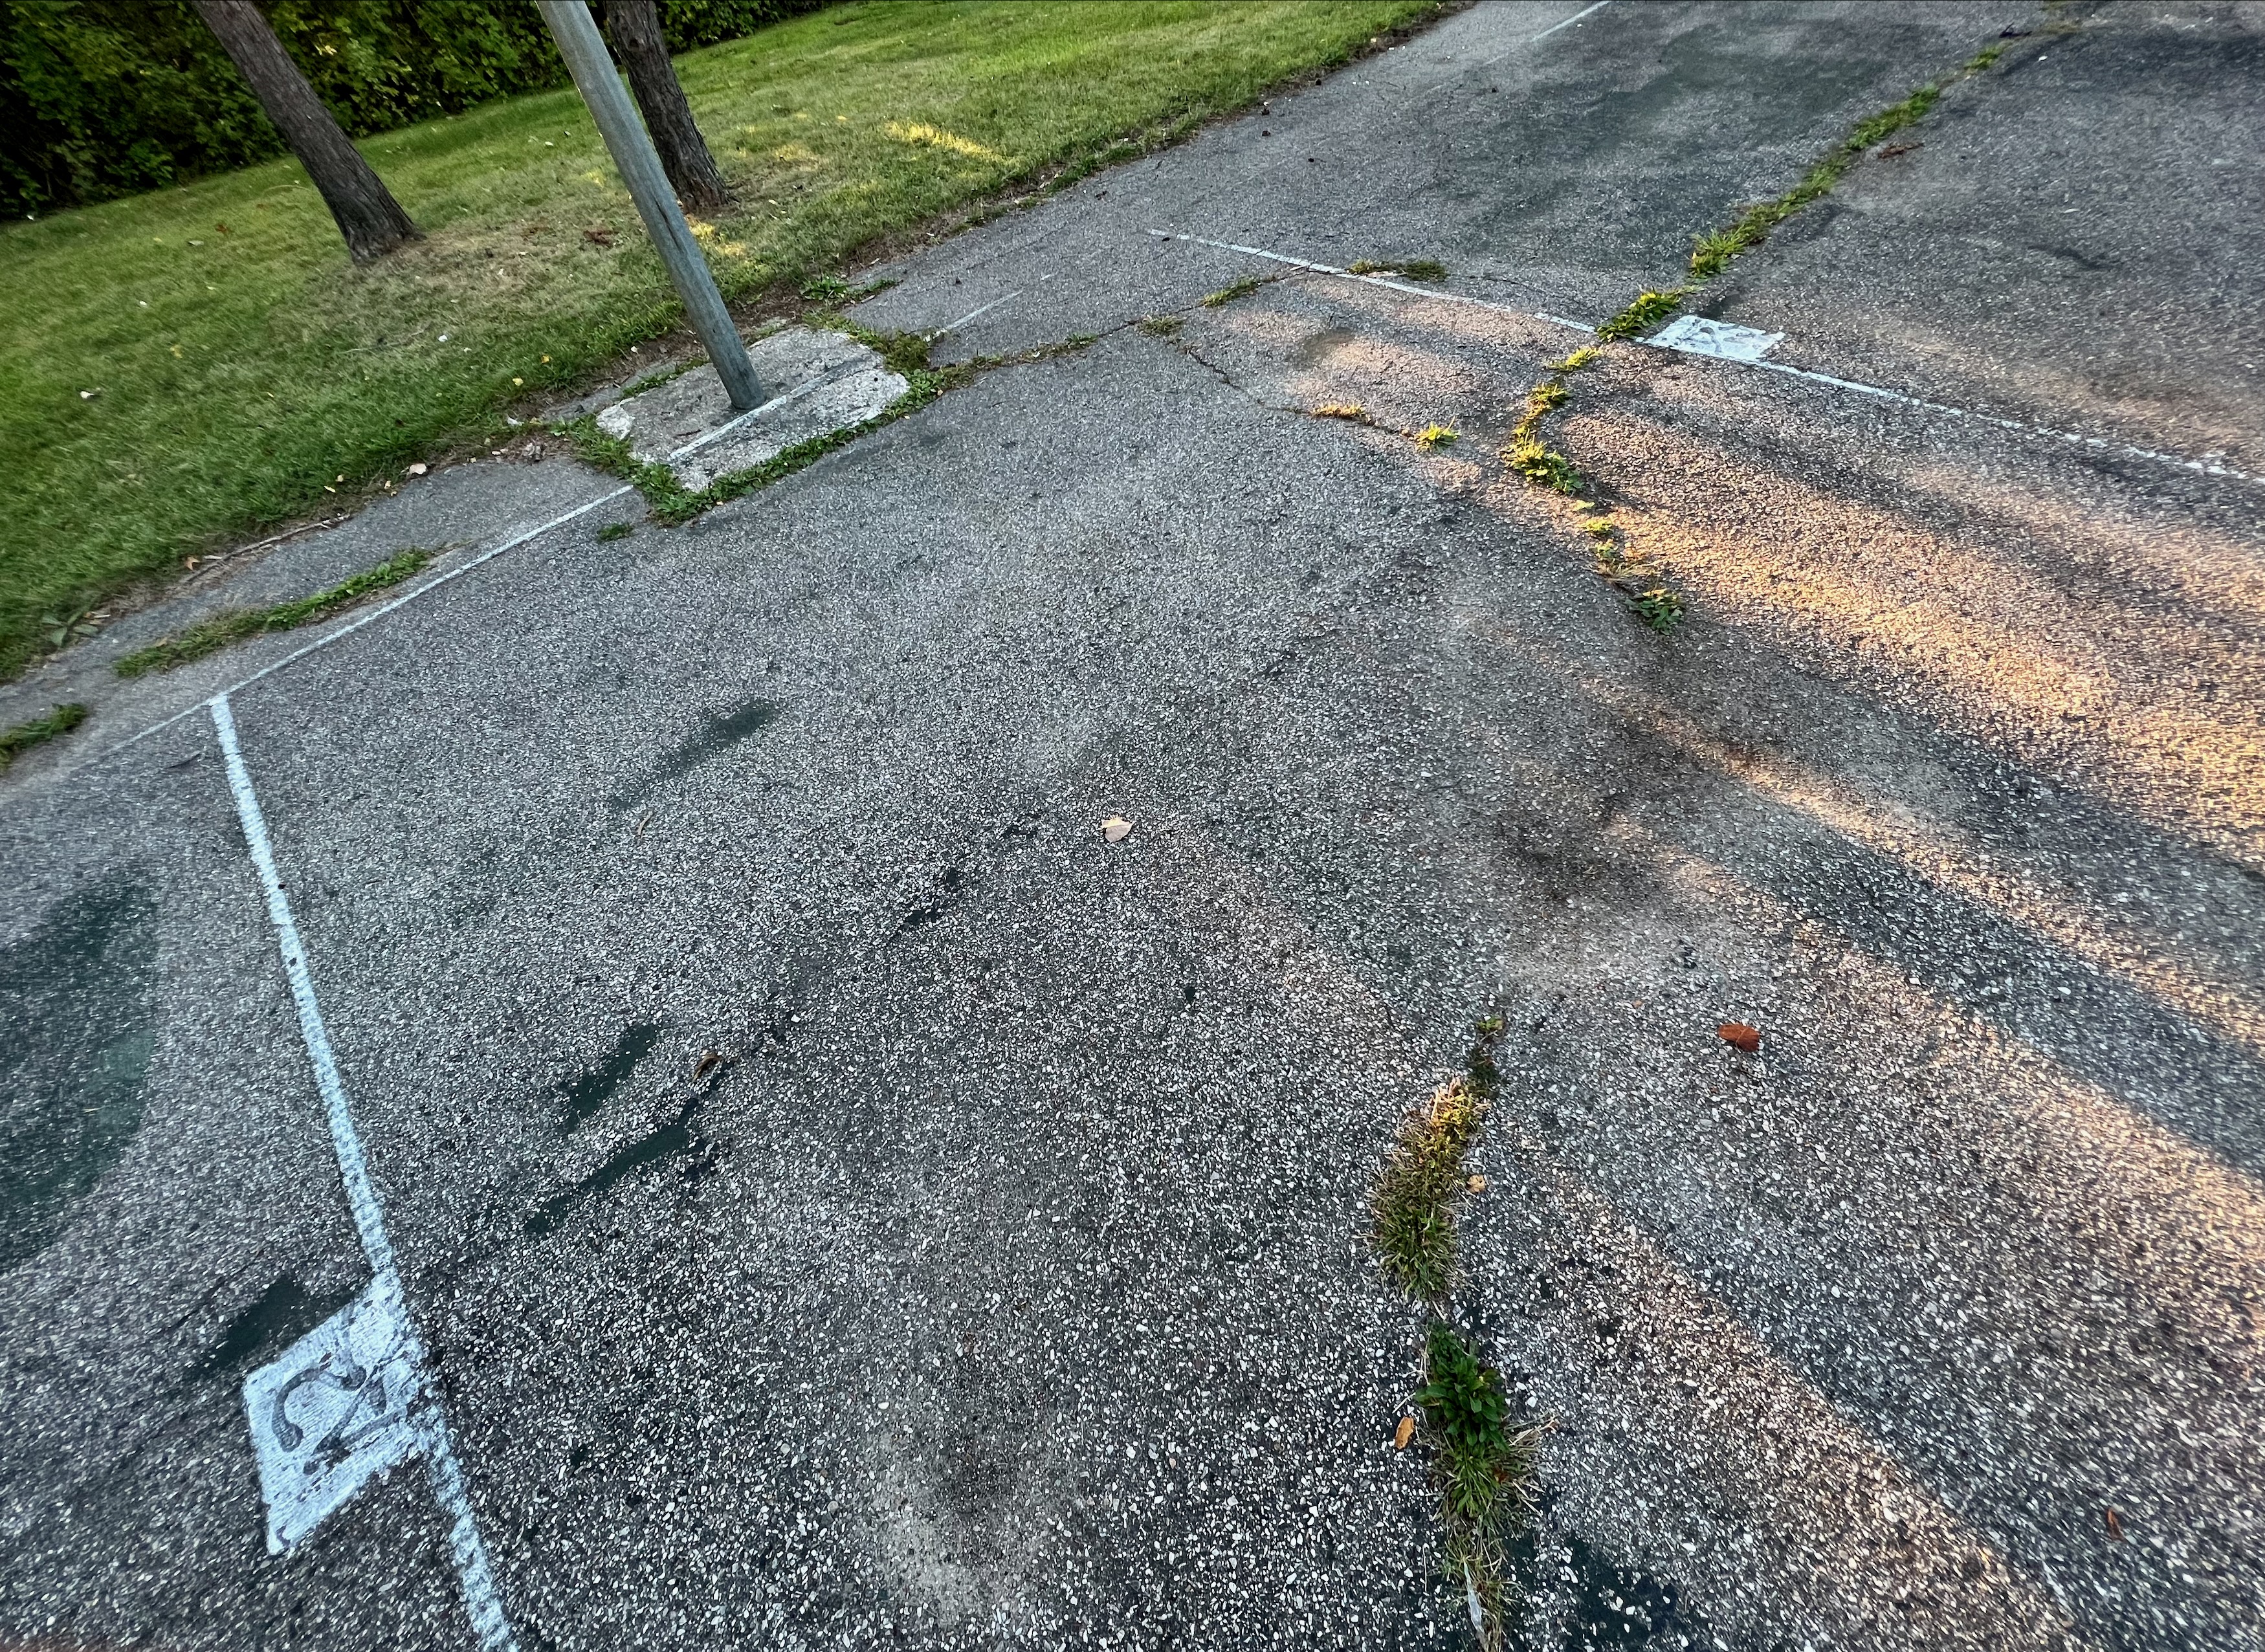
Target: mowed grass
<point>240,365</point>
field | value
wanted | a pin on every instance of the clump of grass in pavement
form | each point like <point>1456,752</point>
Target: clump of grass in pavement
<point>1437,436</point>
<point>1426,1172</point>
<point>233,625</point>
<point>1415,1196</point>
<point>1484,1469</point>
<point>166,382</point>
<point>15,741</point>
<point>1484,1466</point>
<point>1645,311</point>
<point>1649,597</point>
<point>1232,291</point>
<point>1527,454</point>
<point>1414,269</point>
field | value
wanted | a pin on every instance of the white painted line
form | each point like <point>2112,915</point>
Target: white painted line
<point>1726,341</point>
<point>1372,280</point>
<point>973,314</point>
<point>1660,340</point>
<point>481,1601</point>
<point>1570,21</point>
<point>417,592</point>
<point>361,619</point>
<point>1567,22</point>
<point>2179,462</point>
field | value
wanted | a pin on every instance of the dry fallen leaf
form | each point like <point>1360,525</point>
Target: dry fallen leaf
<point>2115,1525</point>
<point>1478,1184</point>
<point>708,1064</point>
<point>1404,1433</point>
<point>417,469</point>
<point>1115,829</point>
<point>1739,1035</point>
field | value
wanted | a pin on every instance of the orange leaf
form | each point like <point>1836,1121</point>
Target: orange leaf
<point>1739,1035</point>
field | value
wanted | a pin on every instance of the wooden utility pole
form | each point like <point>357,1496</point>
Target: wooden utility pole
<point>635,27</point>
<point>369,218</point>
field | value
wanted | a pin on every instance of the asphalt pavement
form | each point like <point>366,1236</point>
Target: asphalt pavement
<point>842,1198</point>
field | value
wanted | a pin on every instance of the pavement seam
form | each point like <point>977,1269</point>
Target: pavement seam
<point>1482,1462</point>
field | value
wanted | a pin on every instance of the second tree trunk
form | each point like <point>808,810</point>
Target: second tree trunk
<point>635,26</point>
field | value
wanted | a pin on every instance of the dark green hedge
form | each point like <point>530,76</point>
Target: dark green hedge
<point>107,98</point>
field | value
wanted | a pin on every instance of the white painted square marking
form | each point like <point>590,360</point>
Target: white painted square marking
<point>332,1413</point>
<point>1697,336</point>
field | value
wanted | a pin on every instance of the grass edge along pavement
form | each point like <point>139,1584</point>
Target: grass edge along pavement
<point>1528,454</point>
<point>854,133</point>
<point>1482,1465</point>
<point>20,737</point>
<point>210,635</point>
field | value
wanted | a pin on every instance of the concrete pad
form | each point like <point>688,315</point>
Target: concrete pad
<point>820,381</point>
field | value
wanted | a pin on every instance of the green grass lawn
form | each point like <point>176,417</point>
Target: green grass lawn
<point>239,366</point>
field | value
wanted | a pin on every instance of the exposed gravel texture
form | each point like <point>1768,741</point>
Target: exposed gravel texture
<point>1007,1280</point>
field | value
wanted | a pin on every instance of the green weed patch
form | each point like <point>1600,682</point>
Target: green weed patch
<point>15,741</point>
<point>233,625</point>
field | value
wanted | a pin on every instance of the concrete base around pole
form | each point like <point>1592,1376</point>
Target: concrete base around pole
<point>822,381</point>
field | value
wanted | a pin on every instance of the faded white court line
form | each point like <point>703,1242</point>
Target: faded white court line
<point>1553,27</point>
<point>1374,281</point>
<point>481,1601</point>
<point>419,592</point>
<point>2098,444</point>
<point>973,315</point>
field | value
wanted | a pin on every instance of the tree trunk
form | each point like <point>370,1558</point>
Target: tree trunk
<point>369,218</point>
<point>635,26</point>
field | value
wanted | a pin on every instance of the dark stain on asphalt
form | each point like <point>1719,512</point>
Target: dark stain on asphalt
<point>939,901</point>
<point>281,1314</point>
<point>717,734</point>
<point>673,1138</point>
<point>585,1095</point>
<point>1598,1604</point>
<point>78,1023</point>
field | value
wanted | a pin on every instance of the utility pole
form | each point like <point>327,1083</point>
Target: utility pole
<point>595,77</point>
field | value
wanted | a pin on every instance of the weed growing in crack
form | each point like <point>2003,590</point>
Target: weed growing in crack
<point>1161,326</point>
<point>1713,252</point>
<point>1233,290</point>
<point>1530,456</point>
<point>1437,436</point>
<point>232,625</point>
<point>1412,269</point>
<point>1484,1468</point>
<point>1644,312</point>
<point>20,738</point>
<point>1659,606</point>
<point>1352,411</point>
<point>1425,1173</point>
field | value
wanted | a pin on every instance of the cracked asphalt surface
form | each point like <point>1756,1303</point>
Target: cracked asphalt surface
<point>847,1203</point>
